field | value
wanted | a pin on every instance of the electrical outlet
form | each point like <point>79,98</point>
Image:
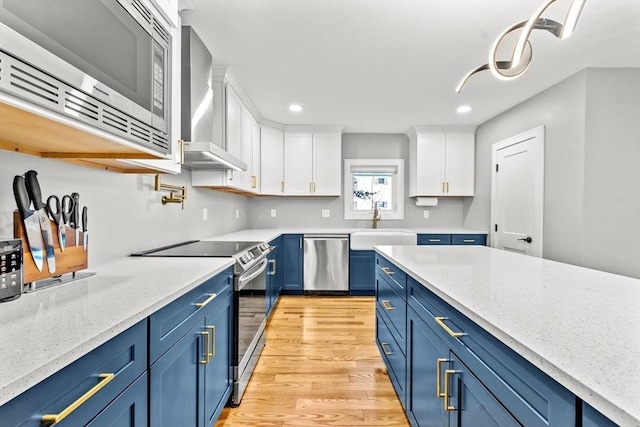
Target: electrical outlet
<point>426,213</point>
<point>237,213</point>
<point>205,213</point>
<point>273,213</point>
<point>326,213</point>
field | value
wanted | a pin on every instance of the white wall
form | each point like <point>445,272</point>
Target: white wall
<point>592,146</point>
<point>125,213</point>
<point>306,211</point>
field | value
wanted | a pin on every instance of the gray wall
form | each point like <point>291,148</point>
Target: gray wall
<point>592,168</point>
<point>125,213</point>
<point>306,211</point>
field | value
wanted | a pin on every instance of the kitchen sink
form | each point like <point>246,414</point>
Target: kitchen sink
<point>366,239</point>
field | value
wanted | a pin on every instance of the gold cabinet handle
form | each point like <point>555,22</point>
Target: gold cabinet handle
<point>443,191</point>
<point>314,188</point>
<point>388,271</point>
<point>207,301</point>
<point>439,363</point>
<point>447,375</point>
<point>254,181</point>
<point>447,187</point>
<point>56,418</point>
<point>206,345</point>
<point>282,186</point>
<point>311,187</point>
<point>387,305</point>
<point>212,329</point>
<point>440,321</point>
<point>384,348</point>
<point>181,143</point>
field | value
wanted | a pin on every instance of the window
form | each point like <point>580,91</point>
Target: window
<point>374,182</point>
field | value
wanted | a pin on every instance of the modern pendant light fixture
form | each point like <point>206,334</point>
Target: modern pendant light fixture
<point>522,52</point>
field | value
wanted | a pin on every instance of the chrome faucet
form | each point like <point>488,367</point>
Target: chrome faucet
<point>376,216</point>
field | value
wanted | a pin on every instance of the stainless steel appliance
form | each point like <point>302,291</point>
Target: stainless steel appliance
<point>326,263</point>
<point>102,62</point>
<point>249,297</point>
<point>11,276</point>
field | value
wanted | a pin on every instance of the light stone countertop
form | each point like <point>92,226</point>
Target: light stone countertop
<point>44,331</point>
<point>580,326</point>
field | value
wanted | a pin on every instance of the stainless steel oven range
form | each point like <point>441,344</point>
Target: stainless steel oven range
<point>249,293</point>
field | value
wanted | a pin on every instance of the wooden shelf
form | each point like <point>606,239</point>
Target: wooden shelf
<point>25,132</point>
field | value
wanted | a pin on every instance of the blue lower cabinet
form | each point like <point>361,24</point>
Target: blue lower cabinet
<point>292,264</point>
<point>274,274</point>
<point>190,384</point>
<point>434,239</point>
<point>593,418</point>
<point>468,402</point>
<point>130,409</point>
<point>104,372</point>
<point>469,239</point>
<point>393,357</point>
<point>362,272</point>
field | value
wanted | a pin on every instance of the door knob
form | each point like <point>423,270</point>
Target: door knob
<point>527,239</point>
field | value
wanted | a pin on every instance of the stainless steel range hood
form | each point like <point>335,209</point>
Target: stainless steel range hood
<point>200,151</point>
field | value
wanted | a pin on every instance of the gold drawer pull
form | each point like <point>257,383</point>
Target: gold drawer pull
<point>439,363</point>
<point>56,418</point>
<point>207,301</point>
<point>387,305</point>
<point>384,348</point>
<point>447,374</point>
<point>440,321</point>
<point>207,355</point>
<point>388,271</point>
<point>212,329</point>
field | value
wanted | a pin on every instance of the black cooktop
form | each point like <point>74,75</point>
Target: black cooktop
<point>199,248</point>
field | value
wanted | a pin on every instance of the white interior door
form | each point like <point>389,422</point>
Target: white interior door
<point>517,193</point>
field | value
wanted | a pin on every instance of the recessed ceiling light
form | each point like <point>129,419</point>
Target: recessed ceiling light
<point>295,108</point>
<point>463,109</point>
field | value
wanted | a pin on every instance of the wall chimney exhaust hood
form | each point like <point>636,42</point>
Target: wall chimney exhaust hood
<point>200,150</point>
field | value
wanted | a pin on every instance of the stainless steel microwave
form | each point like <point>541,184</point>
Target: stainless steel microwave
<point>102,62</point>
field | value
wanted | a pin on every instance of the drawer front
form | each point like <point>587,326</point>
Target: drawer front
<point>128,410</point>
<point>394,359</point>
<point>532,397</point>
<point>124,356</point>
<point>172,322</point>
<point>434,239</point>
<point>469,239</point>
<point>393,307</point>
<point>394,275</point>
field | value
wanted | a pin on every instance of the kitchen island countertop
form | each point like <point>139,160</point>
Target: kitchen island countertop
<point>579,326</point>
<point>44,331</point>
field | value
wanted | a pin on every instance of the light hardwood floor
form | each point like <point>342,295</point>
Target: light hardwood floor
<point>320,367</point>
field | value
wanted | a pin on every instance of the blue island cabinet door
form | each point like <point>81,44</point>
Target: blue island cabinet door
<point>469,403</point>
<point>127,410</point>
<point>176,382</point>
<point>362,272</point>
<point>218,369</point>
<point>426,355</point>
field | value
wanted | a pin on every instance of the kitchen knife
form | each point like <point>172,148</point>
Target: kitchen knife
<point>74,222</point>
<point>85,234</point>
<point>33,189</point>
<point>30,221</point>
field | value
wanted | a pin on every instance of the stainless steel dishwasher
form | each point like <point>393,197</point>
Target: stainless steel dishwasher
<point>326,263</point>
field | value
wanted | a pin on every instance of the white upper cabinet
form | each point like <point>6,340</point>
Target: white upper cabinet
<point>255,166</point>
<point>312,164</point>
<point>441,162</point>
<point>272,161</point>
<point>235,134</point>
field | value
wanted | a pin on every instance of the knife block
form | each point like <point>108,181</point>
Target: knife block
<point>74,258</point>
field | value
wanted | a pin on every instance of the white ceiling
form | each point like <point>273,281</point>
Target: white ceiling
<point>387,65</point>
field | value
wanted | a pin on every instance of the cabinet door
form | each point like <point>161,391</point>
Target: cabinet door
<point>292,263</point>
<point>470,403</point>
<point>459,164</point>
<point>272,161</point>
<point>327,162</point>
<point>427,358</point>
<point>233,137</point>
<point>218,375</point>
<point>430,164</point>
<point>434,239</point>
<point>247,136</point>
<point>127,410</point>
<point>298,164</point>
<point>176,382</point>
<point>254,184</point>
<point>362,272</point>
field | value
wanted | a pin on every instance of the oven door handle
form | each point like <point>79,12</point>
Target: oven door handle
<point>252,274</point>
